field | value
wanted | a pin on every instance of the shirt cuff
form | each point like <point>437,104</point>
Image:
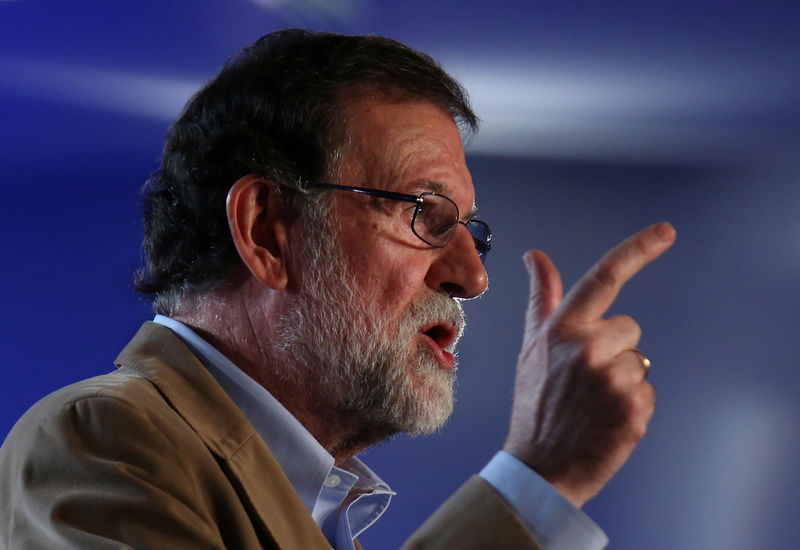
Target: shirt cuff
<point>553,521</point>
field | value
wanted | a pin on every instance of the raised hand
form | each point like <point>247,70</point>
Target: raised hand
<point>581,401</point>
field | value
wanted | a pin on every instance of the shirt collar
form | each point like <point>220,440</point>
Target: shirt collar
<point>304,461</point>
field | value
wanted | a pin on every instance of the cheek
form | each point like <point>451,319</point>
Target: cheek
<point>388,269</point>
<point>387,277</point>
<point>400,281</point>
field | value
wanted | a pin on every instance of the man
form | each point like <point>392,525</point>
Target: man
<point>308,239</point>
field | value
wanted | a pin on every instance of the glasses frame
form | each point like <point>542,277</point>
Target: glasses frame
<point>481,246</point>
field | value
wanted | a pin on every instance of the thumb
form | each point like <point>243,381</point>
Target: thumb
<point>546,288</point>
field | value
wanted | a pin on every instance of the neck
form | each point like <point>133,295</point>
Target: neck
<point>225,320</point>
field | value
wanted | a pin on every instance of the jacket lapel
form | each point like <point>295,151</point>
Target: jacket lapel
<point>157,354</point>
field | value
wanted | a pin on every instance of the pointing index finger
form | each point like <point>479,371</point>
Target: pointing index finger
<point>594,293</point>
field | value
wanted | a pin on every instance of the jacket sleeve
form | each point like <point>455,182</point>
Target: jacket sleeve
<point>476,517</point>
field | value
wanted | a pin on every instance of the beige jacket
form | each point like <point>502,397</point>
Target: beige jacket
<point>157,456</point>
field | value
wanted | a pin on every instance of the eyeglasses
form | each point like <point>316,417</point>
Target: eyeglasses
<point>435,217</point>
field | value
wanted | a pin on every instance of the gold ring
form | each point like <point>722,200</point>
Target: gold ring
<point>645,361</point>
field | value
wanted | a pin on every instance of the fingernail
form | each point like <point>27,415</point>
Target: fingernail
<point>665,231</point>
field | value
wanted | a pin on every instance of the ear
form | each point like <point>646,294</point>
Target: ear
<point>256,217</point>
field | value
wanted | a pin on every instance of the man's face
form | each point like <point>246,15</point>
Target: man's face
<point>375,317</point>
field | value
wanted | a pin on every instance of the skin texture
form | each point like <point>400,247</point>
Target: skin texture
<point>397,147</point>
<point>581,403</point>
<point>392,146</point>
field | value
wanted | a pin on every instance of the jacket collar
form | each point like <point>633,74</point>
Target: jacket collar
<point>158,355</point>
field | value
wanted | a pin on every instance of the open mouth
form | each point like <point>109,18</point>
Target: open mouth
<point>439,337</point>
<point>443,334</point>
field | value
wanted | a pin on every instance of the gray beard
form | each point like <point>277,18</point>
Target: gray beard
<point>334,341</point>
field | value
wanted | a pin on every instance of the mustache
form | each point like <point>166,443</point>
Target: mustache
<point>435,309</point>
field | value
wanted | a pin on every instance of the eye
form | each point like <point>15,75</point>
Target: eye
<point>441,229</point>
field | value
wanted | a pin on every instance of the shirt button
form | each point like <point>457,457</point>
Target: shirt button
<point>333,480</point>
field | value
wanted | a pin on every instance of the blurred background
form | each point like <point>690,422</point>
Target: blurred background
<point>598,119</point>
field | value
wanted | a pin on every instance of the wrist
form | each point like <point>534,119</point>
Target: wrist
<point>574,492</point>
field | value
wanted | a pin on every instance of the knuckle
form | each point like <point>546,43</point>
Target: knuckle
<point>642,246</point>
<point>628,323</point>
<point>636,329</point>
<point>608,274</point>
<point>636,405</point>
<point>650,394</point>
<point>617,381</point>
<point>591,352</point>
<point>640,406</point>
<point>639,431</point>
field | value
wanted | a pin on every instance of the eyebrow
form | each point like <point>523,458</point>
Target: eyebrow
<point>433,186</point>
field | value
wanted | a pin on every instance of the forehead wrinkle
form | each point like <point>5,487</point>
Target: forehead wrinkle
<point>408,157</point>
<point>425,151</point>
<point>377,167</point>
<point>407,154</point>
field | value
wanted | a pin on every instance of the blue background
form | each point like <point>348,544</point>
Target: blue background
<point>597,121</point>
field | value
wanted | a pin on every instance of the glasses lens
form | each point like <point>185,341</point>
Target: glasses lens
<point>436,219</point>
<point>482,236</point>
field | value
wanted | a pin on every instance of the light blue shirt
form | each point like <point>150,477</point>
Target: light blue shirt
<point>345,501</point>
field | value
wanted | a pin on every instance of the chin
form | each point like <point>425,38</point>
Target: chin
<point>431,408</point>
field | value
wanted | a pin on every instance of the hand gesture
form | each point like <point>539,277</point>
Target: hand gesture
<point>581,401</point>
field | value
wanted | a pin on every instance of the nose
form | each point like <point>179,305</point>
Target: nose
<point>457,269</point>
